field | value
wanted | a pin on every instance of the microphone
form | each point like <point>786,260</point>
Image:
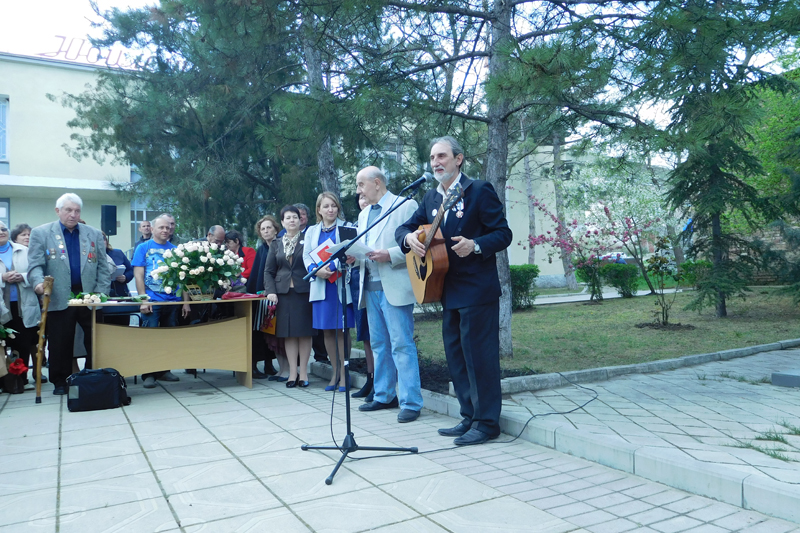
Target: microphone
<point>422,179</point>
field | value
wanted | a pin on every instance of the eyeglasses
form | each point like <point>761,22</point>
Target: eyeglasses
<point>3,230</point>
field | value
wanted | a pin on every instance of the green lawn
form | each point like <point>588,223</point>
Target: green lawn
<point>575,336</point>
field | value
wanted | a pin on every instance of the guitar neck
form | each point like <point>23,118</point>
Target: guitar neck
<point>437,220</point>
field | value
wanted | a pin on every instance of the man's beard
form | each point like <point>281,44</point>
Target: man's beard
<point>446,176</point>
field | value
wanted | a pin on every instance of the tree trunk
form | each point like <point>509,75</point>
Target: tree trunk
<point>531,209</point>
<point>716,247</point>
<point>327,173</point>
<point>566,258</point>
<point>677,249</point>
<point>497,159</point>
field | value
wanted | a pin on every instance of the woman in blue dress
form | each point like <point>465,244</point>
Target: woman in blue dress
<point>325,295</point>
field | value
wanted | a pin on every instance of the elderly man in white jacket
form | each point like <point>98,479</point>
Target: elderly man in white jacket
<point>389,299</point>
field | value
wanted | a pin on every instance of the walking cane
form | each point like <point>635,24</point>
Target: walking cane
<point>48,289</point>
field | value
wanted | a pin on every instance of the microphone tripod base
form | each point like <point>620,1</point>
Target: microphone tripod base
<point>350,446</point>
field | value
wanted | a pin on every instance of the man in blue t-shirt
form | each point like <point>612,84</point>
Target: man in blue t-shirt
<point>147,257</point>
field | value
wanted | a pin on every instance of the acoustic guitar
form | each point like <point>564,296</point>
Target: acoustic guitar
<point>427,273</point>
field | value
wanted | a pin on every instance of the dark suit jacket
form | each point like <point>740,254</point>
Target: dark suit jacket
<point>278,271</point>
<point>470,280</point>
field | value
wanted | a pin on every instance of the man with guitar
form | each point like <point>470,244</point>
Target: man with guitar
<point>474,229</point>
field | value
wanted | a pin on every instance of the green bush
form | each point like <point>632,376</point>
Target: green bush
<point>523,281</point>
<point>695,271</point>
<point>624,278</point>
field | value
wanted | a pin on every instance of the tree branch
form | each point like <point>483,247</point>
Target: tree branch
<point>441,9</point>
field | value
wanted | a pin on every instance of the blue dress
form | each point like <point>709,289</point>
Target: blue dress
<point>328,312</point>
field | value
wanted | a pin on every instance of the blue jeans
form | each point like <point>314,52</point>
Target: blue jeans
<point>165,316</point>
<point>391,332</point>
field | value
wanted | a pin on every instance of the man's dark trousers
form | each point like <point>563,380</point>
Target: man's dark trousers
<point>471,342</point>
<point>61,341</point>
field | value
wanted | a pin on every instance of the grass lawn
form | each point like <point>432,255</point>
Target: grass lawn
<point>576,336</point>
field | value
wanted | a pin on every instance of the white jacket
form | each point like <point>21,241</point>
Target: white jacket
<point>28,301</point>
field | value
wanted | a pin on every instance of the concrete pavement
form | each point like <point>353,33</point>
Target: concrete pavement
<point>209,455</point>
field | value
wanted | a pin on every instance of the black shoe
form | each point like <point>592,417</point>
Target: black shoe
<point>407,415</point>
<point>365,390</point>
<point>43,379</point>
<point>472,437</point>
<point>370,396</point>
<point>60,390</point>
<point>257,374</point>
<point>456,431</point>
<point>377,406</point>
<point>320,358</point>
<point>290,384</point>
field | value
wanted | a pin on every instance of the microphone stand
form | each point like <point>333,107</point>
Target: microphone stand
<point>349,445</point>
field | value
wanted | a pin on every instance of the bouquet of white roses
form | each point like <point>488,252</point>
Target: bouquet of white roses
<point>209,266</point>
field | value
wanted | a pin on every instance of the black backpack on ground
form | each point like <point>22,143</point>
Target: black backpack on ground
<point>92,390</point>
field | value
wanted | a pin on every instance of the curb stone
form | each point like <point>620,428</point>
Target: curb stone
<point>553,380</point>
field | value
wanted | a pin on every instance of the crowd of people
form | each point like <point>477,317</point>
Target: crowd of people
<point>371,292</point>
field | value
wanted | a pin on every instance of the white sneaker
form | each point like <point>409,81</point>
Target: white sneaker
<point>149,382</point>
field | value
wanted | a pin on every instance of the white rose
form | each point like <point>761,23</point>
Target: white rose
<point>220,261</point>
<point>154,274</point>
<point>185,259</point>
<point>243,280</point>
<point>220,283</point>
<point>182,275</point>
<point>211,269</point>
<point>184,267</point>
<point>203,259</point>
<point>214,246</point>
<point>174,264</point>
<point>179,252</point>
<point>168,290</point>
<point>201,269</point>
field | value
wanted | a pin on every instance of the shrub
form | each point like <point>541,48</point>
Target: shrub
<point>624,278</point>
<point>523,281</point>
<point>588,272</point>
<point>694,271</point>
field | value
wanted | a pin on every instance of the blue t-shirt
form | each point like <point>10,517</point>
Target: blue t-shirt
<point>148,255</point>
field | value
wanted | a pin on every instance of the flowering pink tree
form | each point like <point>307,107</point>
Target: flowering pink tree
<point>586,244</point>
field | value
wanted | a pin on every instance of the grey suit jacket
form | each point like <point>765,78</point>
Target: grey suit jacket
<point>278,273</point>
<point>45,259</point>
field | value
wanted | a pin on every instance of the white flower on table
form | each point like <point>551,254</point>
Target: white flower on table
<point>168,290</point>
<point>182,275</point>
<point>185,259</point>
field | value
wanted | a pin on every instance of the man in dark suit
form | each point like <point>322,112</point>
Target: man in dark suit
<point>475,230</point>
<point>75,255</point>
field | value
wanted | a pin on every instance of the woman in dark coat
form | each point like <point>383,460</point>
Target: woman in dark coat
<point>266,228</point>
<point>284,284</point>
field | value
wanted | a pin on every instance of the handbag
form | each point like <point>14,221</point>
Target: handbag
<point>268,324</point>
<point>96,389</point>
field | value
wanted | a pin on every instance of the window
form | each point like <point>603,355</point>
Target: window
<point>5,211</point>
<point>3,129</point>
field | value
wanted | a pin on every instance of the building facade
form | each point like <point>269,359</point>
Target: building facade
<point>35,168</point>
